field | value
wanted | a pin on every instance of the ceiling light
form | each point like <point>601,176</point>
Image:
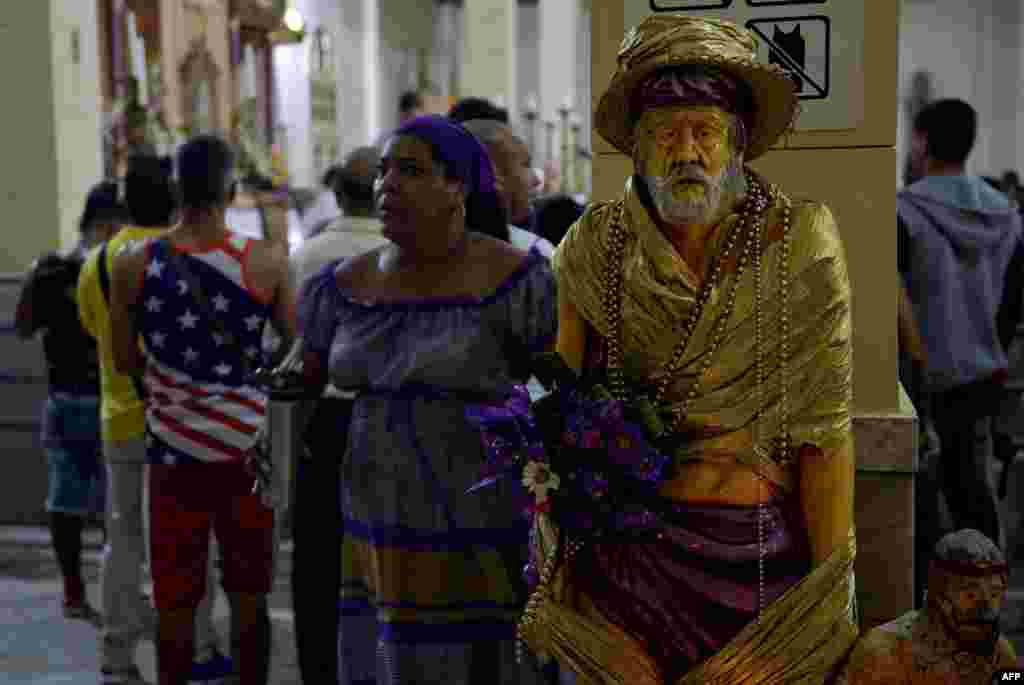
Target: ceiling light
<point>293,20</point>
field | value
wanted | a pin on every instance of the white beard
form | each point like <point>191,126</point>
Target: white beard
<point>673,210</point>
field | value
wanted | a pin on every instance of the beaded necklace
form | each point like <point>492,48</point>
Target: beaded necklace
<point>751,222</point>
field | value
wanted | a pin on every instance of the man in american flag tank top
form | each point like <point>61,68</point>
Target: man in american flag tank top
<point>198,297</point>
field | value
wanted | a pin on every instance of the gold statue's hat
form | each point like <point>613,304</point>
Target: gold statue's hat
<point>674,40</point>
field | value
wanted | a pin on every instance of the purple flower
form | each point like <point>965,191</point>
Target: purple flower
<point>627,444</point>
<point>519,402</point>
<point>652,468</point>
<point>531,574</point>
<point>595,485</point>
<point>611,412</point>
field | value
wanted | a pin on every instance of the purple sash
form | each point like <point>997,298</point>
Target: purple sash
<point>686,591</point>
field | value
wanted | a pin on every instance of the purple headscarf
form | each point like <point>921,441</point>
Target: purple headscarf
<point>462,155</point>
<point>696,85</point>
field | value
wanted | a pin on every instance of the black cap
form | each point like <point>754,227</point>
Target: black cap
<point>102,204</point>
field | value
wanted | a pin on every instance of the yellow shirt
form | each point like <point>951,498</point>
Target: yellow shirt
<point>122,411</point>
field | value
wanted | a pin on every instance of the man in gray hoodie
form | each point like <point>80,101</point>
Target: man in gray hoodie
<point>961,259</point>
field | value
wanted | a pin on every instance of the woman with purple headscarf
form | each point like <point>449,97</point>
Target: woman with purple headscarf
<point>440,317</point>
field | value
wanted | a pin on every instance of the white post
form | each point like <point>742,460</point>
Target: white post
<point>446,46</point>
<point>559,29</point>
<point>488,67</point>
<point>356,66</point>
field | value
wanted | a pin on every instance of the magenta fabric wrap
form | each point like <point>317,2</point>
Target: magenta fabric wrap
<point>688,85</point>
<point>686,591</point>
<point>686,588</point>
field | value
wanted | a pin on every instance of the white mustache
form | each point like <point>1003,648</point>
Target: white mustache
<point>690,176</point>
<point>689,173</point>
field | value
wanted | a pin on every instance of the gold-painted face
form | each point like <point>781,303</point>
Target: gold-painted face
<point>669,138</point>
<point>687,157</point>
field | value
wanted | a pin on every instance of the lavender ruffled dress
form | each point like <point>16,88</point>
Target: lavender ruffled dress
<point>431,577</point>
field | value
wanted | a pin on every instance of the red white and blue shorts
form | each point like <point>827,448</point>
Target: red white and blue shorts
<point>187,501</point>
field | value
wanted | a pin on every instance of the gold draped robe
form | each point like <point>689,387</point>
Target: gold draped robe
<point>805,634</point>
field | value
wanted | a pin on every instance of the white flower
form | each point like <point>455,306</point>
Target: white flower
<point>538,478</point>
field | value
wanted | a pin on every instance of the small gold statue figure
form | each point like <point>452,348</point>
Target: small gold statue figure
<point>955,639</point>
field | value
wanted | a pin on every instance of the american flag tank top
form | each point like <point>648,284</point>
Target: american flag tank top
<point>199,403</point>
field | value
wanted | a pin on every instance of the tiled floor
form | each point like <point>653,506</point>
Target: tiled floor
<point>39,647</point>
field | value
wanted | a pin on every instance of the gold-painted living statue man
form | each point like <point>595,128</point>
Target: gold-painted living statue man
<point>733,301</point>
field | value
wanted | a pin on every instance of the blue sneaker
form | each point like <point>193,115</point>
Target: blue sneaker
<point>214,669</point>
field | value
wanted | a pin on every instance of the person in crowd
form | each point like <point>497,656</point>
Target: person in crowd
<point>514,178</point>
<point>357,229</point>
<point>316,575</point>
<point>730,303</point>
<point>439,317</point>
<point>71,416</point>
<point>199,296</point>
<point>961,260</point>
<point>149,196</point>
<point>554,214</point>
<point>552,175</point>
<point>325,207</point>
<point>472,108</point>
<point>410,106</point>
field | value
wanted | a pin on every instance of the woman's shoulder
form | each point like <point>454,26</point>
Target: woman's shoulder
<point>513,269</point>
<point>499,256</point>
<point>323,294</point>
<point>353,273</point>
<point>507,263</point>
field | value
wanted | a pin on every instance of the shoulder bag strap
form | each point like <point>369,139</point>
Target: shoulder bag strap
<point>104,274</point>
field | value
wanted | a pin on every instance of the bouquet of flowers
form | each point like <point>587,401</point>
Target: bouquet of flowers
<point>587,461</point>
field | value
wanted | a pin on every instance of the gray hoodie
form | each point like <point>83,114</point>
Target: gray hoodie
<point>960,237</point>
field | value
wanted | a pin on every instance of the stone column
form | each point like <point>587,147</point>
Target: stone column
<point>584,96</point>
<point>356,74</point>
<point>51,134</point>
<point>218,38</point>
<point>444,71</point>
<point>29,136</point>
<point>559,34</point>
<point>172,36</point>
<point>1019,43</point>
<point>488,67</point>
<point>119,46</point>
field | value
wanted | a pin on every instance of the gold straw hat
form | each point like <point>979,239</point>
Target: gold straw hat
<point>674,40</point>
